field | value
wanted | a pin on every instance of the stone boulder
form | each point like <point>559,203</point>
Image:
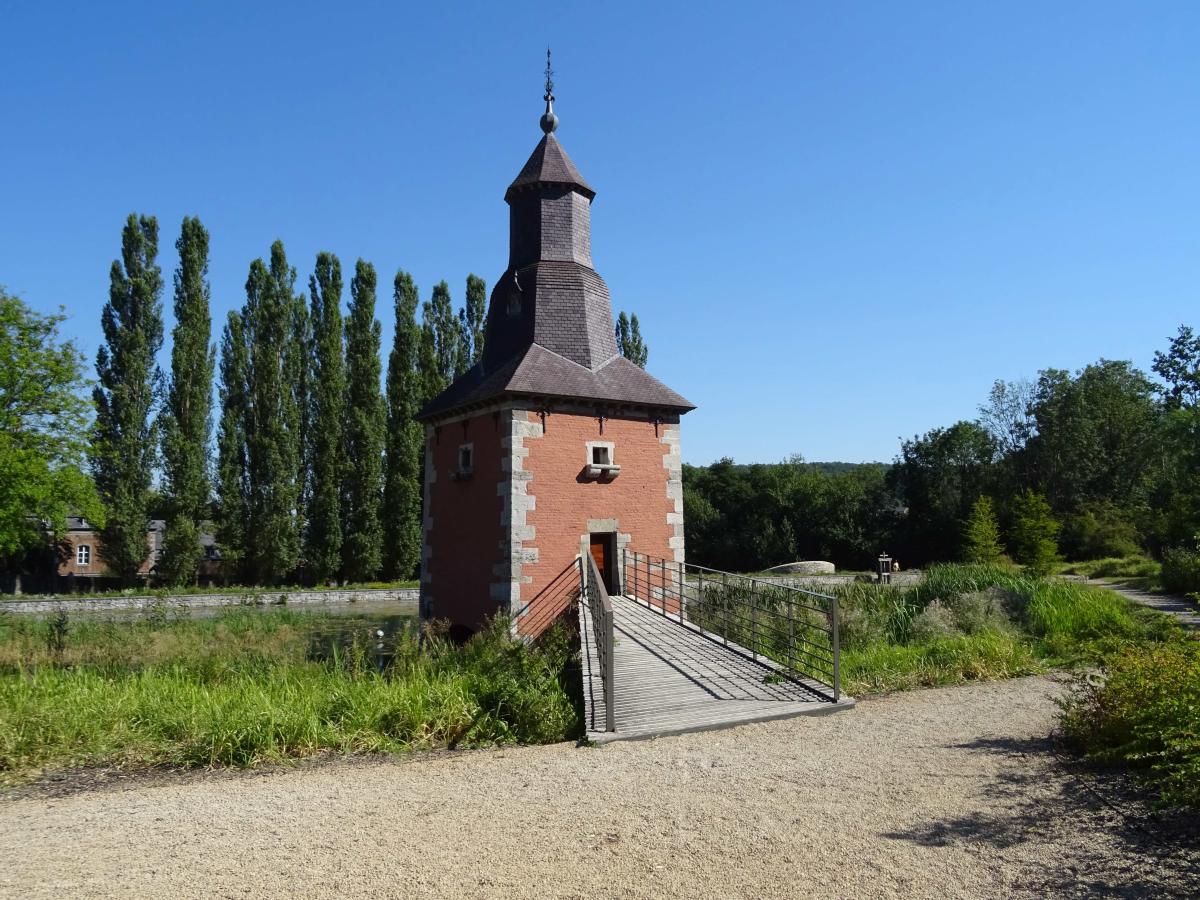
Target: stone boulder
<point>811,567</point>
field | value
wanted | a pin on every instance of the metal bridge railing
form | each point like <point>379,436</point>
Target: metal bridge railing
<point>796,628</point>
<point>599,608</point>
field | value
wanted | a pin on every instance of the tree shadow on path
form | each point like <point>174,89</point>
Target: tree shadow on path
<point>1083,831</point>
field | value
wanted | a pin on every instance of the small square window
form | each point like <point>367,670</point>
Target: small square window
<point>601,460</point>
<point>83,555</point>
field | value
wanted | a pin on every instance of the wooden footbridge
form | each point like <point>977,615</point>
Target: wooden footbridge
<point>682,648</point>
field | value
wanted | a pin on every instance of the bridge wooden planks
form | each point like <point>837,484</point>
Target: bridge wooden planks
<point>670,678</point>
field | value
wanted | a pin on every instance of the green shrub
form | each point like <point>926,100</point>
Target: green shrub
<point>1146,716</point>
<point>1181,570</point>
<point>935,621</point>
<point>1100,531</point>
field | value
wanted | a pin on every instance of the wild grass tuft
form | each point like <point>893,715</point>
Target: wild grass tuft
<point>246,688</point>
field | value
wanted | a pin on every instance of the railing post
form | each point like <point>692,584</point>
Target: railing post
<point>682,586</point>
<point>837,654</point>
<point>754,623</point>
<point>610,707</point>
<point>791,635</point>
<point>663,585</point>
<point>725,604</point>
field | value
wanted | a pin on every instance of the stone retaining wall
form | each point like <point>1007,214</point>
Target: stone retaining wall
<point>186,601</point>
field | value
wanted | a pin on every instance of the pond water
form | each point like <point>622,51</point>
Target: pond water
<point>370,628</point>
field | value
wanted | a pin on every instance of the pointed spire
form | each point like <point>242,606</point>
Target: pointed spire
<point>549,119</point>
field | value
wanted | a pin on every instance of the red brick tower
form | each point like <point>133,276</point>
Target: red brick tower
<point>553,445</point>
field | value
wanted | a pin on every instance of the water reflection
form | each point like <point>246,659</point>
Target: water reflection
<point>354,641</point>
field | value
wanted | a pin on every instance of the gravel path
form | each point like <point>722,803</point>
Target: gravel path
<point>939,793</point>
<point>1186,612</point>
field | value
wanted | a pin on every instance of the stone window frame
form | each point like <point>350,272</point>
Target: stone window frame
<point>606,471</point>
<point>83,555</point>
<point>462,472</point>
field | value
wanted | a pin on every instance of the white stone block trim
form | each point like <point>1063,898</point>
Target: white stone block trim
<point>673,463</point>
<point>517,547</point>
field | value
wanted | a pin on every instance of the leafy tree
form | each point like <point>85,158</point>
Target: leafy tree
<point>402,478</point>
<point>1034,530</point>
<point>365,422</point>
<point>745,518</point>
<point>328,381</point>
<point>273,420</point>
<point>938,477</point>
<point>1095,434</point>
<point>1008,414</point>
<point>1175,495</point>
<point>186,425</point>
<point>43,415</point>
<point>233,465</point>
<point>982,538</point>
<point>1179,367</point>
<point>123,445</point>
<point>629,340</point>
<point>472,319</point>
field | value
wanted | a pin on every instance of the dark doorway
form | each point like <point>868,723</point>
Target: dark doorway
<point>604,552</point>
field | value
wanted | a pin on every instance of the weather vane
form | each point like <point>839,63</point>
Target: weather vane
<point>549,119</point>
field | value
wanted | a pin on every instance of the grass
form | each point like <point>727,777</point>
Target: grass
<point>246,688</point>
<point>1124,567</point>
<point>960,623</point>
<point>167,593</point>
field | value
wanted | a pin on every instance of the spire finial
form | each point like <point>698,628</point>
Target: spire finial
<point>549,119</point>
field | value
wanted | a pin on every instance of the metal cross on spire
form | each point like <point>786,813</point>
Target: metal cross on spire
<point>549,119</point>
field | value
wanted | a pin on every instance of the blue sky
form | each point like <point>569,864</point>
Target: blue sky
<point>838,223</point>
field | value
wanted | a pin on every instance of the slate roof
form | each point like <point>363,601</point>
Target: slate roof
<point>539,373</point>
<point>549,333</point>
<point>549,164</point>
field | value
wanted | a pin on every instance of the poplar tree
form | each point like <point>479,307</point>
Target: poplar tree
<point>297,374</point>
<point>441,349</point>
<point>232,481</point>
<point>472,318</point>
<point>185,422</point>
<point>362,553</point>
<point>123,451</point>
<point>323,547</point>
<point>273,420</point>
<point>629,340</point>
<point>402,477</point>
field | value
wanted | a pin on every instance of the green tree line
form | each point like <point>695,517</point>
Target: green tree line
<point>1101,462</point>
<point>315,472</point>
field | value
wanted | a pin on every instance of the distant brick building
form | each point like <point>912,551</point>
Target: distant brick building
<point>79,550</point>
<point>75,561</point>
<point>553,445</point>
